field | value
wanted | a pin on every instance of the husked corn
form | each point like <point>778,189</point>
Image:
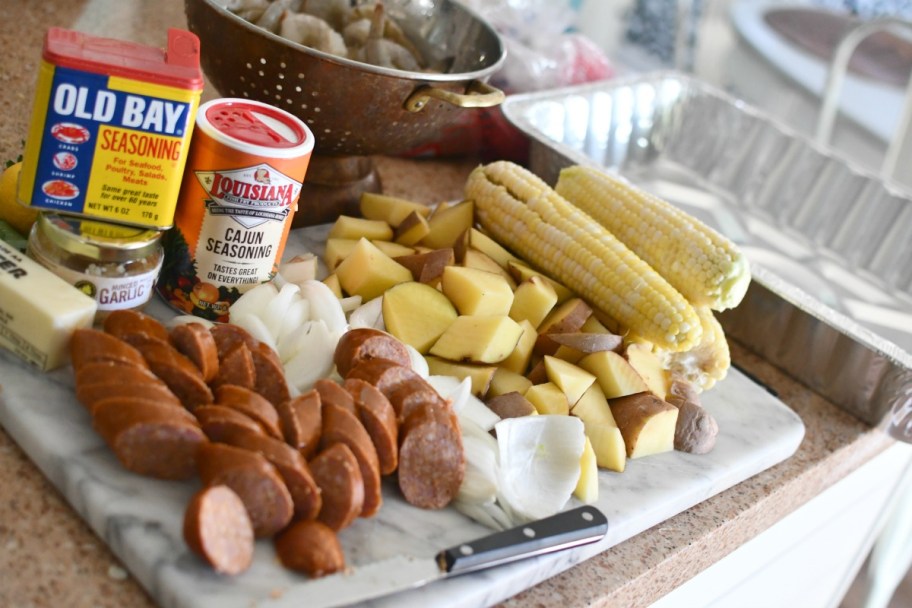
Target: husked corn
<point>699,262</point>
<point>528,216</point>
<point>706,363</point>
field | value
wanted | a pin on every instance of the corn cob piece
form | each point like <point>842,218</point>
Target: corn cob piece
<point>529,217</point>
<point>698,261</point>
<point>707,362</point>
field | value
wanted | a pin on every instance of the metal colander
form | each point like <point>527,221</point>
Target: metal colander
<point>354,108</point>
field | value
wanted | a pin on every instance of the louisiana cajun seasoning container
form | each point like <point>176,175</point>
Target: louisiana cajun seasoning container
<point>110,127</point>
<point>239,193</point>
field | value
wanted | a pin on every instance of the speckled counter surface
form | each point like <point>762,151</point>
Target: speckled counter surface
<point>49,557</point>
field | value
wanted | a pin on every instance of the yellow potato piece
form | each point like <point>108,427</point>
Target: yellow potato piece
<point>417,314</point>
<point>478,339</point>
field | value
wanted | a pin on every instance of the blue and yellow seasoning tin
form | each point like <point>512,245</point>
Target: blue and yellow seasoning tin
<point>111,127</point>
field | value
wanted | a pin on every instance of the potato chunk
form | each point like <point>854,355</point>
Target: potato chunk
<point>347,227</point>
<point>533,300</point>
<point>646,422</point>
<point>476,292</point>
<point>390,209</point>
<point>368,272</point>
<point>478,339</point>
<point>417,314</point>
<point>479,375</point>
<point>614,374</point>
<point>548,398</point>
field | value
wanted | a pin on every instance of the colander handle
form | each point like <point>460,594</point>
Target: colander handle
<point>478,95</point>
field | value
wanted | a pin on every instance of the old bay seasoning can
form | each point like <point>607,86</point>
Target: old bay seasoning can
<point>110,127</point>
<point>239,193</point>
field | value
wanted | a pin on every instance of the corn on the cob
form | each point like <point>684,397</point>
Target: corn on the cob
<point>526,215</point>
<point>698,261</point>
<point>707,362</point>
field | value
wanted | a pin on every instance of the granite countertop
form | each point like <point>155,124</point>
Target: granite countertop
<point>49,557</point>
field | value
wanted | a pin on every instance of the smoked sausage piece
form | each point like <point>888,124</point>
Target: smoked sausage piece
<point>269,379</point>
<point>364,344</point>
<point>310,547</point>
<point>341,426</point>
<point>236,367</point>
<point>218,530</point>
<point>385,375</point>
<point>411,393</point>
<point>135,403</point>
<point>252,404</point>
<point>195,342</point>
<point>431,458</point>
<point>150,440</point>
<point>228,336</point>
<point>338,475</point>
<point>215,418</point>
<point>176,370</point>
<point>301,421</point>
<point>254,479</point>
<point>91,394</point>
<point>92,345</point>
<point>379,420</point>
<point>123,323</point>
<point>331,392</point>
<point>305,494</point>
<point>99,372</point>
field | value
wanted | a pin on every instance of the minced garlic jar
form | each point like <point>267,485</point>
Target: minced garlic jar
<point>115,264</point>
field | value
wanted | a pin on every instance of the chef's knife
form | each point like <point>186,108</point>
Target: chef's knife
<point>572,528</point>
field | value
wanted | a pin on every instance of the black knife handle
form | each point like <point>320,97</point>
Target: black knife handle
<point>572,528</point>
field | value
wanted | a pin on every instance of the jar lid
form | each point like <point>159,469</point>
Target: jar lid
<point>99,240</point>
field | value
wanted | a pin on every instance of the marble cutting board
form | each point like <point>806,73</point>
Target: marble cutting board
<point>140,518</point>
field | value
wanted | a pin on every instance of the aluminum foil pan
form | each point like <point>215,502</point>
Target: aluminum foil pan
<point>830,245</point>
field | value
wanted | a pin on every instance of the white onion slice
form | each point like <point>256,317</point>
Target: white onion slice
<point>273,315</point>
<point>324,305</point>
<point>253,301</point>
<point>369,314</point>
<point>419,364</point>
<point>184,319</point>
<point>314,356</point>
<point>255,327</point>
<point>350,303</point>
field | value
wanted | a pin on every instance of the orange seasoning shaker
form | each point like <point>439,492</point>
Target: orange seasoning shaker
<point>239,192</point>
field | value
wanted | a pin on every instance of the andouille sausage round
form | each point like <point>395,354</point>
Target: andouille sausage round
<point>431,457</point>
<point>91,345</point>
<point>236,367</point>
<point>218,529</point>
<point>301,421</point>
<point>227,336</point>
<point>104,408</point>
<point>216,418</point>
<point>332,392</point>
<point>176,370</point>
<point>114,371</point>
<point>127,322</point>
<point>365,344</point>
<point>250,403</point>
<point>379,420</point>
<point>91,394</point>
<point>310,547</point>
<point>254,479</point>
<point>195,341</point>
<point>385,375</point>
<point>411,393</point>
<point>338,475</point>
<point>341,426</point>
<point>270,376</point>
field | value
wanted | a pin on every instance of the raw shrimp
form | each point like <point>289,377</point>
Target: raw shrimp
<point>332,12</point>
<point>313,32</point>
<point>272,16</point>
<point>378,50</point>
<point>251,10</point>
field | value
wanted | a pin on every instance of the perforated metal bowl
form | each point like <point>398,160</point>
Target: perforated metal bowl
<point>354,108</point>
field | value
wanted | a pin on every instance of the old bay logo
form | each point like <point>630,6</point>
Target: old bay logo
<point>251,196</point>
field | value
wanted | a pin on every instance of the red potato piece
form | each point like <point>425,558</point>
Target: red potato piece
<point>341,426</point>
<point>431,458</point>
<point>228,336</point>
<point>215,418</point>
<point>332,392</point>
<point>218,530</point>
<point>123,323</point>
<point>153,441</point>
<point>91,346</point>
<point>236,367</point>
<point>252,404</point>
<point>338,475</point>
<point>310,547</point>
<point>379,420</point>
<point>91,394</point>
<point>305,494</point>
<point>270,377</point>
<point>301,421</point>
<point>365,344</point>
<point>254,479</point>
<point>195,342</point>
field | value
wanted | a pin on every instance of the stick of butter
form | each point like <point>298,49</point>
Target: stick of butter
<point>38,310</point>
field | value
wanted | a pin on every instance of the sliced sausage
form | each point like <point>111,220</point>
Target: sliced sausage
<point>431,458</point>
<point>252,404</point>
<point>92,345</point>
<point>338,475</point>
<point>195,342</point>
<point>385,375</point>
<point>91,394</point>
<point>99,372</point>
<point>176,370</point>
<point>305,494</point>
<point>218,530</point>
<point>215,418</point>
<point>412,393</point>
<point>270,377</point>
<point>254,479</point>
<point>123,323</point>
<point>379,420</point>
<point>332,392</point>
<point>228,336</point>
<point>236,367</point>
<point>134,403</point>
<point>153,441</point>
<point>310,547</point>
<point>341,426</point>
<point>364,344</point>
<point>301,422</point>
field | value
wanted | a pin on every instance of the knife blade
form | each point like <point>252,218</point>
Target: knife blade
<point>572,528</point>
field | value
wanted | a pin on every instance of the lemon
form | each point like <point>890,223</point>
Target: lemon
<point>18,216</point>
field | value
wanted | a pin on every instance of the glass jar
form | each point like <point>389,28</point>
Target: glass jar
<point>117,265</point>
